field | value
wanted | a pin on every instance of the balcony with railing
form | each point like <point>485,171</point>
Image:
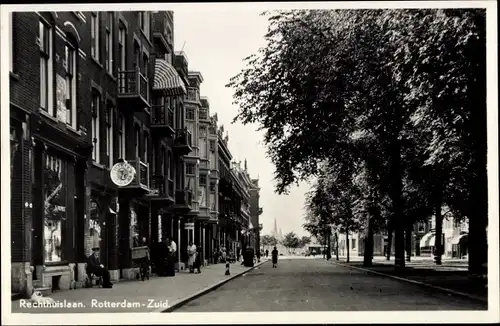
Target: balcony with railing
<point>183,201</point>
<point>133,91</point>
<point>162,190</point>
<point>162,121</point>
<point>183,141</point>
<point>140,183</point>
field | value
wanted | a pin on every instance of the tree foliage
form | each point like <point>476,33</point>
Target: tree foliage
<point>291,241</point>
<point>388,104</point>
<point>268,240</point>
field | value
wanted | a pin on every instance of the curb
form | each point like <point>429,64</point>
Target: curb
<point>466,295</point>
<point>210,288</point>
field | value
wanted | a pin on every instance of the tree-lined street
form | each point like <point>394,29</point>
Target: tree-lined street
<point>317,285</point>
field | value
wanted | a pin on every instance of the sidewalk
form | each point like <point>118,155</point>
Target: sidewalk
<point>147,296</point>
<point>451,276</point>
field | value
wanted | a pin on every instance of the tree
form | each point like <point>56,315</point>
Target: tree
<point>304,241</point>
<point>393,79</point>
<point>291,241</point>
<point>268,241</point>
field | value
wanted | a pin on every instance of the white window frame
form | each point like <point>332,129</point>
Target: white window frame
<point>71,76</point>
<point>109,42</point>
<point>94,32</point>
<point>187,170</point>
<point>122,137</point>
<point>122,41</point>
<point>95,127</point>
<point>109,135</point>
<point>146,147</point>
<point>46,60</point>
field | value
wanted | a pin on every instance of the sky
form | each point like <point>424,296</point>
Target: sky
<point>215,42</point>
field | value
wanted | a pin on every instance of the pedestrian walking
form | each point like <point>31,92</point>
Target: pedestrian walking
<point>197,260</point>
<point>267,253</point>
<point>191,256</point>
<point>171,255</point>
<point>274,255</point>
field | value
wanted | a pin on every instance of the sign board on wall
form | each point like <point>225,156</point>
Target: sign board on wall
<point>189,226</point>
<point>122,174</point>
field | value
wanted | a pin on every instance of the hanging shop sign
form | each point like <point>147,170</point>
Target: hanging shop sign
<point>122,174</point>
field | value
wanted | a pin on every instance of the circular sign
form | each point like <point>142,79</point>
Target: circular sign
<point>122,174</point>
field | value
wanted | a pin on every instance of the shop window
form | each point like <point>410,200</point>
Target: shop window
<point>54,207</point>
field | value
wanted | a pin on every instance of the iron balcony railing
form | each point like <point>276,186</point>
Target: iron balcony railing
<point>161,116</point>
<point>133,83</point>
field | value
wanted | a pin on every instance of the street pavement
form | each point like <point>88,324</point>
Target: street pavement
<point>138,296</point>
<point>317,285</point>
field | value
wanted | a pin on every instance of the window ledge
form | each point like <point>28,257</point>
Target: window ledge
<point>73,130</point>
<point>97,62</point>
<point>97,165</point>
<point>47,115</point>
<point>111,76</point>
<point>13,75</point>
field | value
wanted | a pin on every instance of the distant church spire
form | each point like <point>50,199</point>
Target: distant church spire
<point>275,230</point>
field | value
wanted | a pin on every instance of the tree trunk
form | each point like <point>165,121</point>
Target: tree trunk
<point>347,243</point>
<point>389,242</point>
<point>438,246</point>
<point>408,237</point>
<point>368,254</point>
<point>329,247</point>
<point>337,246</point>
<point>395,194</point>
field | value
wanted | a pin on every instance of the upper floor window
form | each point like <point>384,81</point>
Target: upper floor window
<point>146,148</point>
<point>109,133</point>
<point>122,53</point>
<point>94,32</point>
<point>121,137</point>
<point>71,72</point>
<point>190,168</point>
<point>171,170</point>
<point>212,145</point>
<point>95,107</point>
<point>211,130</point>
<point>145,22</point>
<point>137,142</point>
<point>212,186</point>
<point>203,179</point>
<point>109,42</point>
<point>46,71</point>
<point>145,65</point>
<point>204,113</point>
<point>190,114</point>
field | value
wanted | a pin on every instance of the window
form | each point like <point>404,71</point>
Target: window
<point>211,130</point>
<point>164,161</point>
<point>94,32</point>
<point>171,166</point>
<point>146,149</point>
<point>204,113</point>
<point>122,35</point>
<point>153,160</point>
<point>203,180</point>
<point>144,22</point>
<point>353,243</point>
<point>95,107</point>
<point>109,133</point>
<point>137,142</point>
<point>190,113</point>
<point>203,147</point>
<point>45,42</point>
<point>420,227</point>
<point>70,86</point>
<point>137,56</point>
<point>145,65</point>
<point>11,38</point>
<point>109,42</point>
<point>212,186</point>
<point>190,168</point>
<point>121,137</point>
<point>212,145</point>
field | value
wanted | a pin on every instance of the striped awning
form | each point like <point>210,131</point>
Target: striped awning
<point>427,240</point>
<point>167,79</point>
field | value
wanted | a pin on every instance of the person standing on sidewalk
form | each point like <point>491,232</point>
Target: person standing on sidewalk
<point>172,249</point>
<point>274,255</point>
<point>191,256</point>
<point>267,253</point>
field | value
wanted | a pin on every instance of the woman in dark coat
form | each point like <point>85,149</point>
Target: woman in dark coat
<point>274,254</point>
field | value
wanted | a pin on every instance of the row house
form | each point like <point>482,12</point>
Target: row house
<point>255,211</point>
<point>241,206</point>
<point>225,222</point>
<point>208,179</point>
<point>87,90</point>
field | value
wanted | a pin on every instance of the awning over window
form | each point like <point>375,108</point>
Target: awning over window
<point>167,79</point>
<point>459,238</point>
<point>427,240</point>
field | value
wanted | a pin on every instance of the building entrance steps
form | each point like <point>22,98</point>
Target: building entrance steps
<point>140,296</point>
